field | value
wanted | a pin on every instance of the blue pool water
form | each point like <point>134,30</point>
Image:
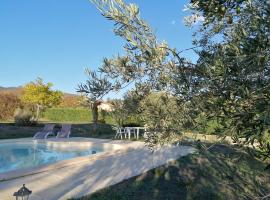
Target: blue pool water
<point>30,154</point>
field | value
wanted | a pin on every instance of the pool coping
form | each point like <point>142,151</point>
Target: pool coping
<point>118,147</point>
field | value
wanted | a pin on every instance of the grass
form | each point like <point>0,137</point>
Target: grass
<point>224,172</point>
<point>10,131</point>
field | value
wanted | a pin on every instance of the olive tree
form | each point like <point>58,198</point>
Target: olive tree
<point>94,89</point>
<point>148,64</point>
<point>230,80</point>
<point>235,73</point>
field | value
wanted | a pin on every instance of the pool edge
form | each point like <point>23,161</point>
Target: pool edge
<point>118,147</point>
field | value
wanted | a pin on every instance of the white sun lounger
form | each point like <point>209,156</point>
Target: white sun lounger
<point>65,131</point>
<point>45,132</point>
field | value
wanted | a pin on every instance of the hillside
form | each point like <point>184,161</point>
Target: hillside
<point>13,90</point>
<point>18,91</point>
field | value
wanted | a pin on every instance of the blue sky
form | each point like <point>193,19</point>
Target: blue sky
<point>57,39</point>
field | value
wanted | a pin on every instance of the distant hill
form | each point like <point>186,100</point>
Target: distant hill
<point>18,91</point>
<point>8,88</point>
<point>13,90</point>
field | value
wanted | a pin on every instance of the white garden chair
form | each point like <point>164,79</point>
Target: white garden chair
<point>119,132</point>
<point>129,131</point>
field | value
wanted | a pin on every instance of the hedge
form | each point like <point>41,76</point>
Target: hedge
<point>68,115</point>
<point>60,114</point>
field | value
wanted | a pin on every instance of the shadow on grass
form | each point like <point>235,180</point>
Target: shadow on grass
<point>222,173</point>
<point>105,131</point>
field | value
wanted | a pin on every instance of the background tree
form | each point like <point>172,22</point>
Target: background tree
<point>41,95</point>
<point>131,103</point>
<point>119,113</point>
<point>95,88</point>
<point>158,112</point>
<point>8,103</point>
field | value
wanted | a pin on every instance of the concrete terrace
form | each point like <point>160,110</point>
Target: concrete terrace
<point>89,174</point>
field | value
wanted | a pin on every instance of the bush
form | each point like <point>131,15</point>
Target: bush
<point>24,117</point>
<point>132,125</point>
<point>8,103</point>
<point>102,121</point>
<point>207,193</point>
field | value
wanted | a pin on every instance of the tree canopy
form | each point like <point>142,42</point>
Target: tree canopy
<point>41,95</point>
<point>230,80</point>
<point>234,72</point>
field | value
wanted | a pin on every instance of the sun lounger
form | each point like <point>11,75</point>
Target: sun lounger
<point>65,131</point>
<point>45,132</point>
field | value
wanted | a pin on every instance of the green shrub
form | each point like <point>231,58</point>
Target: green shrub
<point>102,121</point>
<point>132,125</point>
<point>207,193</point>
<point>24,117</point>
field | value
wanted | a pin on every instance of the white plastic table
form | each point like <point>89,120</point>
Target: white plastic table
<point>135,129</point>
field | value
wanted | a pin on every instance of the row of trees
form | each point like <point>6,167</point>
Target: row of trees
<point>229,82</point>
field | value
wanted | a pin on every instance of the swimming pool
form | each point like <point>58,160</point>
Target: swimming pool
<point>14,156</point>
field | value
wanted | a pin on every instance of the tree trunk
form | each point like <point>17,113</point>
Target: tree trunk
<point>95,116</point>
<point>38,111</point>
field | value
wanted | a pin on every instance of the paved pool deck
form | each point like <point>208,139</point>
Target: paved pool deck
<point>89,174</point>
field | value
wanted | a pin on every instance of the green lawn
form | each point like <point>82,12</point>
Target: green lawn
<point>10,131</point>
<point>225,172</point>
